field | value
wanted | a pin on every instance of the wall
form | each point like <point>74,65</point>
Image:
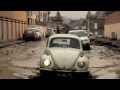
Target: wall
<point>20,15</point>
<point>112,24</point>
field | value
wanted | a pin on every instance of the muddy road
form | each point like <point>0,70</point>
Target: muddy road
<point>21,61</point>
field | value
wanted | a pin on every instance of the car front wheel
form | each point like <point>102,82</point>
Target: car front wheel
<point>86,47</point>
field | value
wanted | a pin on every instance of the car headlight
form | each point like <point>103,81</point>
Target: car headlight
<point>81,64</point>
<point>47,62</point>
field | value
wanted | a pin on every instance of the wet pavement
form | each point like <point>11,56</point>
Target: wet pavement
<point>103,62</point>
<point>21,61</point>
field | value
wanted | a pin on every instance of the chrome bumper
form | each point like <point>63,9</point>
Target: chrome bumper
<point>62,73</point>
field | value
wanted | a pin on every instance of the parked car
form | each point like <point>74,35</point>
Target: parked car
<point>38,32</point>
<point>32,34</point>
<point>49,32</point>
<point>83,36</point>
<point>99,36</point>
<point>63,57</point>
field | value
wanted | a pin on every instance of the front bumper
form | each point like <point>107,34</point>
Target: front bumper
<point>64,74</point>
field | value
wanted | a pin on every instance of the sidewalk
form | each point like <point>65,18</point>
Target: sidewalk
<point>106,41</point>
<point>8,43</point>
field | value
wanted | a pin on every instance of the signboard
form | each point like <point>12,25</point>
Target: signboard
<point>95,25</point>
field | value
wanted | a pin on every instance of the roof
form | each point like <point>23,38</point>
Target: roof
<point>76,30</point>
<point>64,35</point>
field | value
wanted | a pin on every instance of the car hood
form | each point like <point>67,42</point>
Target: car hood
<point>64,58</point>
<point>84,38</point>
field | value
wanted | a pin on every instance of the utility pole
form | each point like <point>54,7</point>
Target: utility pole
<point>88,26</point>
<point>88,16</point>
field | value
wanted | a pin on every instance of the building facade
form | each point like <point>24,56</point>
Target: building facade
<point>42,21</point>
<point>31,17</point>
<point>38,19</point>
<point>12,24</point>
<point>97,22</point>
<point>112,25</point>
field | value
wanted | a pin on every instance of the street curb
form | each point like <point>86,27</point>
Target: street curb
<point>5,45</point>
<point>107,42</point>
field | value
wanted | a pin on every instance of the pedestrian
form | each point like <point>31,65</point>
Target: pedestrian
<point>58,31</point>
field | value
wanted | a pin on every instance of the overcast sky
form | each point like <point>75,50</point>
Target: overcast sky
<point>72,14</point>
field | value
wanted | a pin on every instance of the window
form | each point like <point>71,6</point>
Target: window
<point>65,43</point>
<point>28,21</point>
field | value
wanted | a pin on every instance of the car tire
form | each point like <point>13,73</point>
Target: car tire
<point>26,40</point>
<point>88,47</point>
<point>35,39</point>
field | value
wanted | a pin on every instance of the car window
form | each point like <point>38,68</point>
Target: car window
<point>29,31</point>
<point>37,31</point>
<point>79,34</point>
<point>47,41</point>
<point>65,43</point>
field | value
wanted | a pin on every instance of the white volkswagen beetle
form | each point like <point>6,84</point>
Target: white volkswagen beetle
<point>63,57</point>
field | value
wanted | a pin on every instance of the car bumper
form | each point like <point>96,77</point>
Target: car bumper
<point>63,74</point>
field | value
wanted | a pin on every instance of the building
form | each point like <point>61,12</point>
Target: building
<point>12,24</point>
<point>112,25</point>
<point>106,13</point>
<point>75,23</point>
<point>83,23</point>
<point>56,22</point>
<point>42,21</point>
<point>66,20</point>
<point>31,17</point>
<point>38,19</point>
<point>97,22</point>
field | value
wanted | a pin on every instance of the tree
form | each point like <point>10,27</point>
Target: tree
<point>58,17</point>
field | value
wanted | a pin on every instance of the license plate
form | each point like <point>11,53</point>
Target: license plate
<point>64,75</point>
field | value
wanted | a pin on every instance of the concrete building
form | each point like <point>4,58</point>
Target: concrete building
<point>83,23</point>
<point>97,22</point>
<point>38,19</point>
<point>31,17</point>
<point>12,24</point>
<point>66,20</point>
<point>75,23</point>
<point>42,21</point>
<point>112,25</point>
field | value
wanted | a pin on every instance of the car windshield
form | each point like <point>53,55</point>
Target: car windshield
<point>79,33</point>
<point>29,31</point>
<point>37,31</point>
<point>65,43</point>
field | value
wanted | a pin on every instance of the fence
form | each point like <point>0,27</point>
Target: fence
<point>11,29</point>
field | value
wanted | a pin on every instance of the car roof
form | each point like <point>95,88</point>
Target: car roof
<point>76,30</point>
<point>64,35</point>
